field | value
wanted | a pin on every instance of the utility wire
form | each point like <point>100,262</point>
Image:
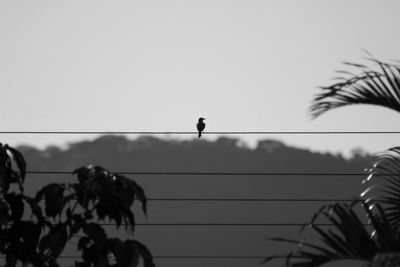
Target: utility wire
<point>256,200</point>
<point>227,173</point>
<point>226,224</point>
<point>195,133</point>
<point>258,258</point>
<point>191,257</point>
<point>253,199</point>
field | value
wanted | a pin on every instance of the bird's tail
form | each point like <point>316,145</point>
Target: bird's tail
<point>199,134</point>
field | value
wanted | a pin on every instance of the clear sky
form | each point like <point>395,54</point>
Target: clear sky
<point>159,65</point>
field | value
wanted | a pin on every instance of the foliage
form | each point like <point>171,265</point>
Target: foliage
<point>384,184</point>
<point>377,240</point>
<point>376,87</point>
<point>61,211</point>
<point>349,237</point>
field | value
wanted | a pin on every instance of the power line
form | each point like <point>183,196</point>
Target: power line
<point>216,257</point>
<point>253,199</point>
<point>221,257</point>
<point>226,173</point>
<point>191,257</point>
<point>226,224</point>
<point>195,133</point>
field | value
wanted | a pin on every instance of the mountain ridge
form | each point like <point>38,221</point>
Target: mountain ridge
<point>150,154</point>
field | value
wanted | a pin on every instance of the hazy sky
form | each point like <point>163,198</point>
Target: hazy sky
<point>159,65</point>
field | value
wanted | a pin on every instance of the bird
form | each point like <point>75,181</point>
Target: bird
<point>201,125</point>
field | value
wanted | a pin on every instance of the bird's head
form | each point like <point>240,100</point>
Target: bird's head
<point>201,119</point>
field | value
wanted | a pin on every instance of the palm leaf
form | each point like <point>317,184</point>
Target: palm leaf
<point>348,237</point>
<point>384,184</point>
<point>376,87</point>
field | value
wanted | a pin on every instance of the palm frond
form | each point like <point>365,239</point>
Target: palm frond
<point>349,237</point>
<point>376,87</point>
<point>384,184</point>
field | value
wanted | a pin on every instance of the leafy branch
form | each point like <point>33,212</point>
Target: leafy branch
<point>61,211</point>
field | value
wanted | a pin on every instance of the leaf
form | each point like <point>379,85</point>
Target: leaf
<point>5,210</point>
<point>347,238</point>
<point>110,210</point>
<point>87,192</point>
<point>5,178</point>
<point>54,199</point>
<point>54,242</point>
<point>126,192</point>
<point>90,172</point>
<point>83,173</point>
<point>376,87</point>
<point>141,250</point>
<point>127,255</point>
<point>16,205</point>
<point>36,209</point>
<point>19,159</point>
<point>76,223</point>
<point>101,210</point>
<point>94,257</point>
<point>4,159</point>
<point>30,233</point>
<point>129,218</point>
<point>22,241</point>
<point>386,168</point>
<point>83,242</point>
<point>96,233</point>
<point>89,254</point>
<point>139,193</point>
<point>7,173</point>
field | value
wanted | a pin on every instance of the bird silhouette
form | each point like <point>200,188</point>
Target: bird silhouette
<point>201,125</point>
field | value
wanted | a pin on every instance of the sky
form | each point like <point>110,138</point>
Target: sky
<point>157,65</point>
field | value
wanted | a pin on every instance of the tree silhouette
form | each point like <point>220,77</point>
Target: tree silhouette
<point>376,241</point>
<point>35,230</point>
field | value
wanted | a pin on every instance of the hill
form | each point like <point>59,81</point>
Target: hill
<point>150,154</point>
